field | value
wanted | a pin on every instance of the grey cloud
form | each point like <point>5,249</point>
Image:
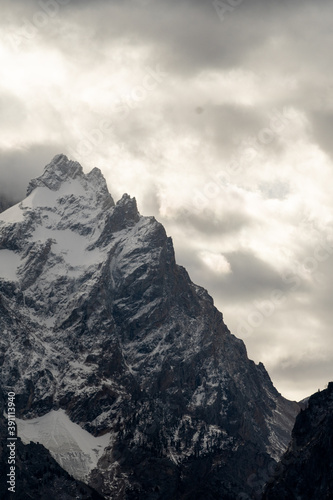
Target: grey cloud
<point>209,224</point>
<point>193,26</point>
<point>322,127</point>
<point>251,278</point>
<point>151,202</point>
<point>18,167</point>
<point>225,126</point>
<point>189,36</point>
<point>291,372</point>
<point>229,127</point>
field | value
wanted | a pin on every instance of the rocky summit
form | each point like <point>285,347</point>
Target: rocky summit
<point>121,366</point>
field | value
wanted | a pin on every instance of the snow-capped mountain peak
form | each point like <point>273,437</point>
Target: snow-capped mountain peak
<point>99,321</point>
<point>61,172</point>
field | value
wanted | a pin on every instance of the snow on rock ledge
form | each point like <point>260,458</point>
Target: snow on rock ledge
<point>75,449</point>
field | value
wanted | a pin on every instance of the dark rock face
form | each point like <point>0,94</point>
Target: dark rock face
<point>100,321</point>
<point>306,469</point>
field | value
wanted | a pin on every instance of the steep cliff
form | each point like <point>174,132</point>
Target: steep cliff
<point>306,469</point>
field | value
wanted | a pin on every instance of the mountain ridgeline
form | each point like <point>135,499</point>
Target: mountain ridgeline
<point>100,322</point>
<point>306,469</point>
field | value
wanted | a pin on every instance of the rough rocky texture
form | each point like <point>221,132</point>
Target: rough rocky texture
<point>99,320</point>
<point>306,469</point>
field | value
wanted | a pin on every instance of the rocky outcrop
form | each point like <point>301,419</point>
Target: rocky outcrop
<point>306,469</point>
<point>100,321</point>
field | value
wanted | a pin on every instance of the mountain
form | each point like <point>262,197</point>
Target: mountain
<point>121,366</point>
<point>306,469</point>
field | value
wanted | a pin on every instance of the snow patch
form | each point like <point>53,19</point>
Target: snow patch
<point>70,245</point>
<point>199,396</point>
<point>45,197</point>
<point>12,214</point>
<point>75,449</point>
<point>9,262</point>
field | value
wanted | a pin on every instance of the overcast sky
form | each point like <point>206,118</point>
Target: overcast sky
<point>217,117</point>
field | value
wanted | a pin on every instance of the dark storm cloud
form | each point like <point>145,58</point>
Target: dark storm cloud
<point>292,372</point>
<point>224,126</point>
<point>210,224</point>
<point>322,126</point>
<point>188,39</point>
<point>17,168</point>
<point>190,36</point>
<point>250,278</point>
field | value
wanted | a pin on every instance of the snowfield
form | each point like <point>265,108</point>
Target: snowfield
<point>75,449</point>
